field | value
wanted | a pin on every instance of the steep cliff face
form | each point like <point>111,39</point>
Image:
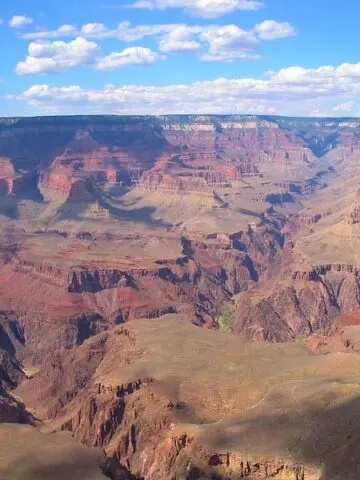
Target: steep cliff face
<point>251,145</point>
<point>11,372</point>
<point>354,214</point>
<point>308,303</point>
<point>169,184</point>
<point>7,176</point>
<point>83,158</point>
<point>11,340</point>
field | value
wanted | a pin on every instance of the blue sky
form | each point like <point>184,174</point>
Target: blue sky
<point>180,56</point>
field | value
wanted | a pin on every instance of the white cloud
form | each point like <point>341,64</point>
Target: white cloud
<point>271,30</point>
<point>349,69</point>
<point>19,21</point>
<point>56,57</point>
<point>129,56</point>
<point>124,31</point>
<point>215,43</point>
<point>210,42</point>
<point>343,107</point>
<point>62,32</point>
<point>45,92</point>
<point>130,33</point>
<point>181,39</point>
<point>200,8</point>
<point>97,30</point>
<point>290,91</point>
<point>322,78</point>
<point>229,43</point>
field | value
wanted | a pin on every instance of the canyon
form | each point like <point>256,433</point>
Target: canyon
<point>174,290</point>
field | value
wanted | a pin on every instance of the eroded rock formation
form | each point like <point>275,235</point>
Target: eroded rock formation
<point>157,422</point>
<point>107,223</point>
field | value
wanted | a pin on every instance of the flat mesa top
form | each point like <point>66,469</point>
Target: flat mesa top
<point>123,254</point>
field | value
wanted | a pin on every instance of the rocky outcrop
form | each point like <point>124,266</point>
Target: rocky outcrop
<point>114,470</point>
<point>305,220</point>
<point>306,304</point>
<point>11,340</point>
<point>7,176</point>
<point>12,411</point>
<point>11,372</point>
<point>101,162</point>
<point>102,166</point>
<point>181,457</point>
<point>169,184</point>
<point>176,457</point>
<point>81,191</point>
<point>319,270</point>
<point>45,271</point>
<point>354,215</point>
<point>57,181</point>
<point>257,143</point>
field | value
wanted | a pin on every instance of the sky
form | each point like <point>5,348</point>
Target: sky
<point>281,57</point>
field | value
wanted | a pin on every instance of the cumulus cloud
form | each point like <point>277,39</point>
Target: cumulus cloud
<point>229,43</point>
<point>322,78</point>
<point>56,57</point>
<point>290,91</point>
<point>210,42</point>
<point>271,30</point>
<point>200,8</point>
<point>214,43</point>
<point>129,56</point>
<point>19,21</point>
<point>181,39</point>
<point>95,30</point>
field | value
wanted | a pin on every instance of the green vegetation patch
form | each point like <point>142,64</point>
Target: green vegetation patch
<point>227,320</point>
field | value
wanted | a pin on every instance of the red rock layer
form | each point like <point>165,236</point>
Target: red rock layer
<point>84,158</point>
<point>7,176</point>
<point>250,148</point>
<point>65,305</point>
